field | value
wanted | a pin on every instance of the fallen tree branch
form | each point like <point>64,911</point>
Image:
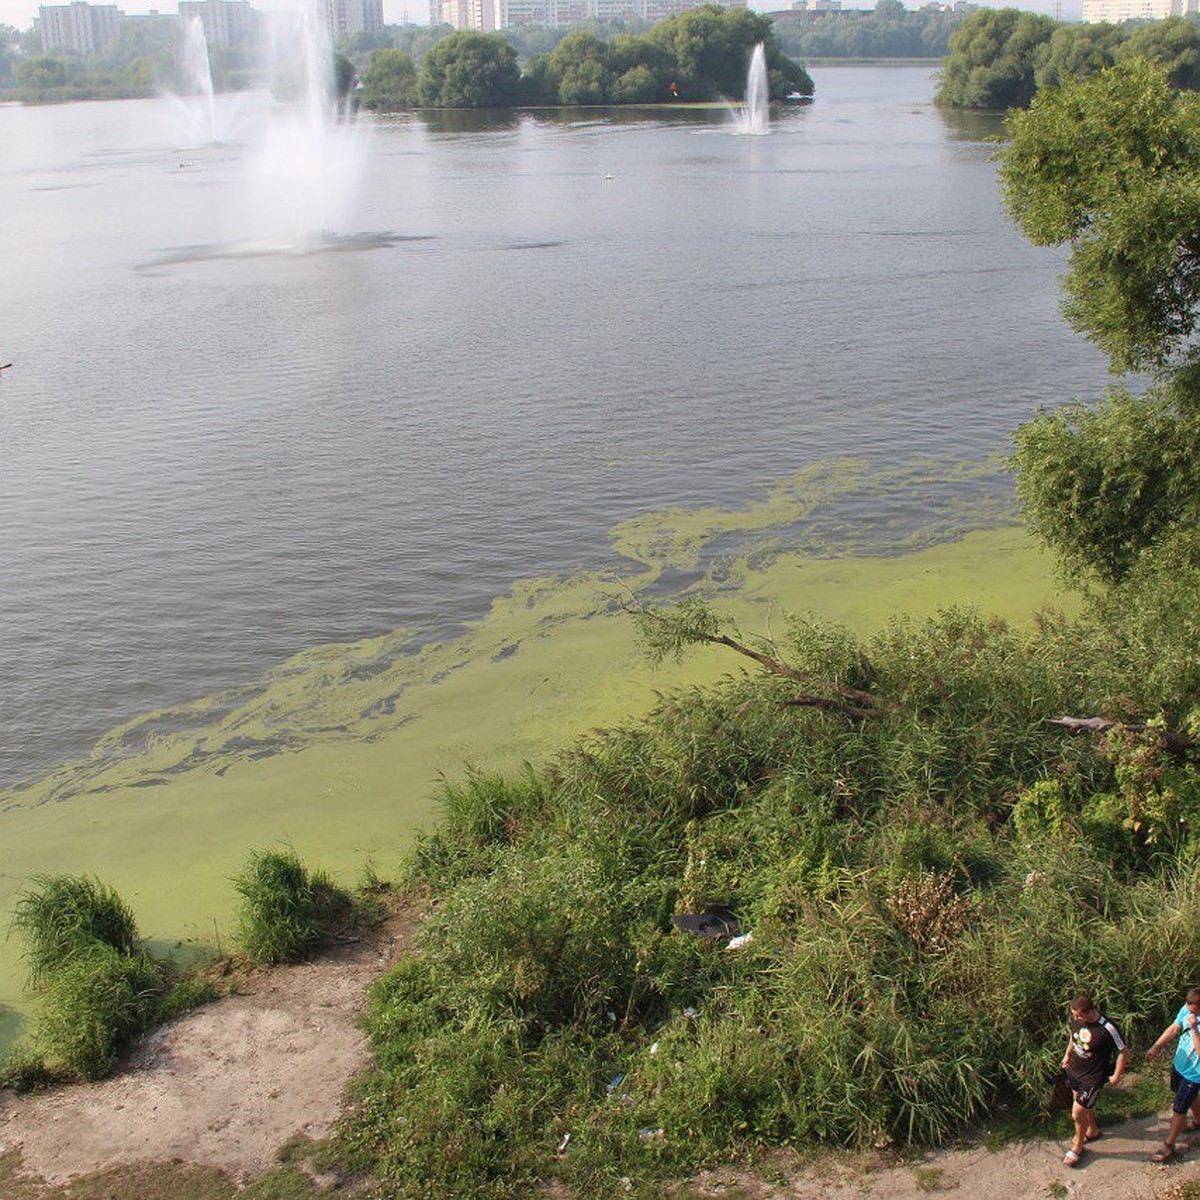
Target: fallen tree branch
<point>1178,744</point>
<point>853,701</point>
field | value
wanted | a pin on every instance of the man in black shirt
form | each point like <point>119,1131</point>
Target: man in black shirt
<point>1094,1045</point>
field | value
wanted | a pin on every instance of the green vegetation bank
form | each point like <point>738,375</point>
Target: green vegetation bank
<point>1000,58</point>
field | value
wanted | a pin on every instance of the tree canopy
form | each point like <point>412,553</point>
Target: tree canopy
<point>888,30</point>
<point>1108,164</point>
<point>389,81</point>
<point>469,70</point>
<point>1000,58</point>
<point>705,52</point>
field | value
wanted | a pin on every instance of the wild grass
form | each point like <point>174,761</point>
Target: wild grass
<point>62,916</point>
<point>288,912</point>
<point>914,946</point>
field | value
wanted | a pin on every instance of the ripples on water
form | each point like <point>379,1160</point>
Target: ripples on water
<point>217,453</point>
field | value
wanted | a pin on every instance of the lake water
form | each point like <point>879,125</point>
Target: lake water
<point>215,454</point>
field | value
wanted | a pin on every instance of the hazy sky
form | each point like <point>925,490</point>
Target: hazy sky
<point>21,12</point>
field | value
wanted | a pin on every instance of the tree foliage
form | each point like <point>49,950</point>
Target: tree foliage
<point>1077,50</point>
<point>389,81</point>
<point>469,70</point>
<point>1001,58</point>
<point>1173,42</point>
<point>1108,164</point>
<point>705,53</point>
<point>1102,485</point>
<point>993,59</point>
<point>887,31</point>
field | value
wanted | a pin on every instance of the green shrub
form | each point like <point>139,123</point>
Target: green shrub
<point>64,916</point>
<point>24,1069</point>
<point>287,912</point>
<point>93,1006</point>
<point>927,887</point>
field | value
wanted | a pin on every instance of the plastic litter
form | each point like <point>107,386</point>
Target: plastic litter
<point>742,940</point>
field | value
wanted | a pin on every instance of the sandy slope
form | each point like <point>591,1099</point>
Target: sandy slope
<point>224,1086</point>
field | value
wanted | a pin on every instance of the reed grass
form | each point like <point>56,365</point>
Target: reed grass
<point>927,889</point>
<point>63,916</point>
<point>287,912</point>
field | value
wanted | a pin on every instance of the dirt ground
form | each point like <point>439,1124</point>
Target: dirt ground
<point>227,1085</point>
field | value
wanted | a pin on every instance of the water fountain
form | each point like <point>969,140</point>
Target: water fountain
<point>755,115</point>
<point>195,105</point>
<point>305,170</point>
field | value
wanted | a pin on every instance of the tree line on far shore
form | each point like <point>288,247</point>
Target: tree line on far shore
<point>699,55</point>
<point>1001,58</point>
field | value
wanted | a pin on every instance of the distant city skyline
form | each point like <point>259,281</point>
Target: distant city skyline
<point>21,13</point>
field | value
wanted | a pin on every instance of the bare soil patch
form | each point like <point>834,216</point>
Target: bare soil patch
<point>225,1086</point>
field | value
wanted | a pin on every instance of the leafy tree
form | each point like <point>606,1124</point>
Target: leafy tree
<point>41,73</point>
<point>888,30</point>
<point>1078,50</point>
<point>344,76</point>
<point>469,70</point>
<point>1100,486</point>
<point>360,44</point>
<point>641,70</point>
<point>389,81</point>
<point>1174,42</point>
<point>993,59</point>
<point>1108,164</point>
<point>580,64</point>
<point>711,48</point>
<point>539,83</point>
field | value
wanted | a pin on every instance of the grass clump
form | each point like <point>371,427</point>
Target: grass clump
<point>99,989</point>
<point>288,912</point>
<point>93,1007</point>
<point>63,916</point>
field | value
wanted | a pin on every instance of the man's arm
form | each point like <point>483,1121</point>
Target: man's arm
<point>1172,1031</point>
<point>1119,1069</point>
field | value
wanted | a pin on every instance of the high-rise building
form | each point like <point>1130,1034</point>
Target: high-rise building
<point>353,16</point>
<point>478,15</point>
<point>1116,11</point>
<point>484,15</point>
<point>77,28</point>
<point>225,22</point>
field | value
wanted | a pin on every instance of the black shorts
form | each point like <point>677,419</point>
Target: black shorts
<point>1087,1095</point>
<point>1185,1092</point>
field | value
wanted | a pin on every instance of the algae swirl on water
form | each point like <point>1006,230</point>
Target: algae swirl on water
<point>339,749</point>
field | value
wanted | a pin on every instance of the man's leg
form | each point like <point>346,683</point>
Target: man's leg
<point>1084,1121</point>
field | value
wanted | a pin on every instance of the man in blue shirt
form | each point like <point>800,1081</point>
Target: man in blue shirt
<point>1185,1069</point>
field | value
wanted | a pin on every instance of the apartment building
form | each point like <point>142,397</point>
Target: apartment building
<point>77,28</point>
<point>225,22</point>
<point>1116,11</point>
<point>353,16</point>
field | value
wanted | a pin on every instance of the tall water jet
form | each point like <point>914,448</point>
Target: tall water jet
<point>196,100</point>
<point>304,174</point>
<point>756,113</point>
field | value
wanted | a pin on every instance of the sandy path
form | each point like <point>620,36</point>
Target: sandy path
<point>223,1087</point>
